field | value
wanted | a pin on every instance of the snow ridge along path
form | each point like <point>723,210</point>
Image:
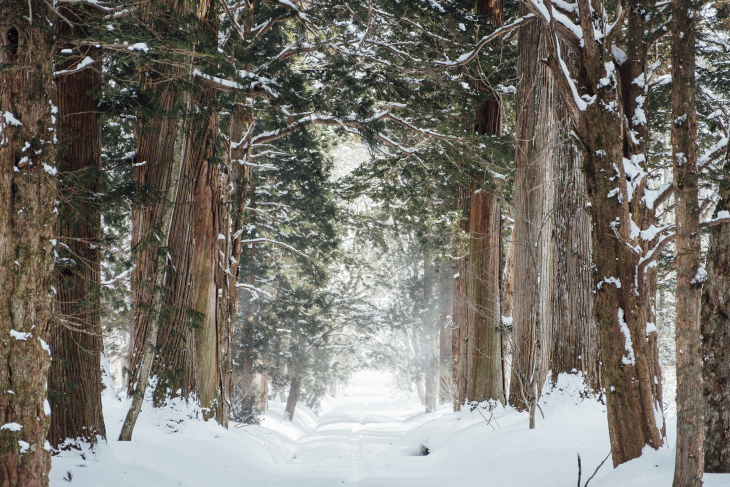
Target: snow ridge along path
<point>371,436</point>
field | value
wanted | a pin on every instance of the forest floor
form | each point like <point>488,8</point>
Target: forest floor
<point>371,436</point>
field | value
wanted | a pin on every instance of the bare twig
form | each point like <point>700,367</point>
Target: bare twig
<point>596,471</point>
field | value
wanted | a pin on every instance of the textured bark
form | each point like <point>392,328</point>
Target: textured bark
<point>716,340</point>
<point>146,351</point>
<point>461,308</point>
<point>634,97</point>
<point>483,333</point>
<point>484,337</point>
<point>430,332</point>
<point>194,339</point>
<point>574,344</point>
<point>295,384</point>
<point>446,290</point>
<point>27,218</point>
<point>689,464</point>
<point>156,147</point>
<point>627,354</point>
<point>74,381</point>
<point>535,149</point>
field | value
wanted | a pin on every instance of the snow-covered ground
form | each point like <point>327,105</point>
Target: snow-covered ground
<point>373,435</point>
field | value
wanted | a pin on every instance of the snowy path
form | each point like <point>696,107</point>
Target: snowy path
<point>371,437</point>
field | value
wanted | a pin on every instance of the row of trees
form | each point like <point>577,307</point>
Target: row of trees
<point>181,147</point>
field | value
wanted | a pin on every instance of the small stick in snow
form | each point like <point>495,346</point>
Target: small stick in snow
<point>594,472</point>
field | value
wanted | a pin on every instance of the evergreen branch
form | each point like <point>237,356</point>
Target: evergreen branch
<point>253,290</point>
<point>257,240</point>
<point>414,24</point>
<point>465,58</point>
<point>234,22</point>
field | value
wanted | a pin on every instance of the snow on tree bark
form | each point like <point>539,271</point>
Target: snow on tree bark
<point>27,219</point>
<point>629,360</point>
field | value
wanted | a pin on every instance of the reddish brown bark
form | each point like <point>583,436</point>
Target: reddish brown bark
<point>194,339</point>
<point>535,149</point>
<point>573,343</point>
<point>716,340</point>
<point>460,304</point>
<point>479,356</point>
<point>484,337</point>
<point>74,383</point>
<point>446,275</point>
<point>27,219</point>
<point>429,332</point>
<point>689,464</point>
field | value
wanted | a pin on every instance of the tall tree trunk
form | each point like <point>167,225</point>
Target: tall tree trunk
<point>296,379</point>
<point>446,276</point>
<point>146,351</point>
<point>158,150</point>
<point>194,339</point>
<point>74,381</point>
<point>574,343</point>
<point>27,219</point>
<point>460,304</point>
<point>535,148</point>
<point>689,464</point>
<point>430,330</point>
<point>484,337</point>
<point>716,338</point>
<point>210,222</point>
<point>627,354</point>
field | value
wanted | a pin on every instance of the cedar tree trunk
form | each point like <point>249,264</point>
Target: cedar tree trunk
<point>27,219</point>
<point>74,381</point>
<point>689,465</point>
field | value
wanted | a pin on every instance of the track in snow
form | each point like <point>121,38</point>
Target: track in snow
<point>369,437</point>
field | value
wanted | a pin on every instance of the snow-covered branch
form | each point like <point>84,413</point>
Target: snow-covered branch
<point>276,242</point>
<point>465,58</point>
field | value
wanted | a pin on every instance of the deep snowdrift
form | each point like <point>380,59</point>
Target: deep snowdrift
<point>372,436</point>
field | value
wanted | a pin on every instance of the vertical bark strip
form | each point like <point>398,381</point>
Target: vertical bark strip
<point>716,339</point>
<point>74,382</point>
<point>535,120</point>
<point>27,196</point>
<point>690,425</point>
<point>430,332</point>
<point>598,113</point>
<point>484,337</point>
<point>461,308</point>
<point>446,290</point>
<point>574,344</point>
<point>148,348</point>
